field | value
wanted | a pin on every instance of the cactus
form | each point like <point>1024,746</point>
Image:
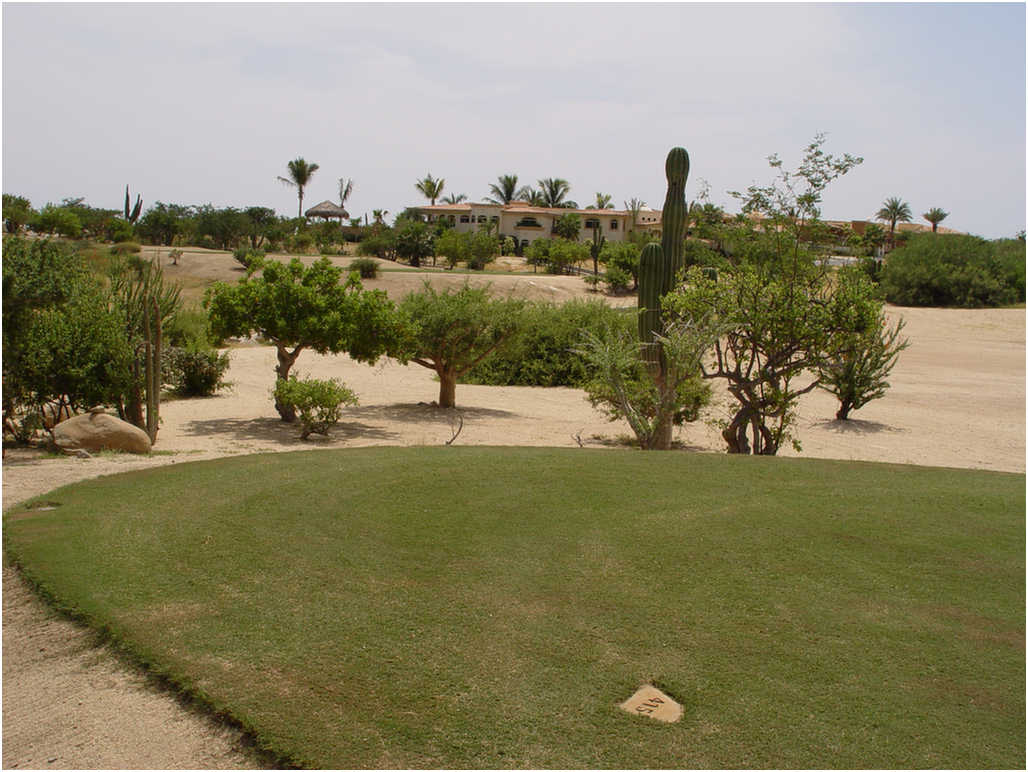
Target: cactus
<point>152,362</point>
<point>675,216</point>
<point>132,214</point>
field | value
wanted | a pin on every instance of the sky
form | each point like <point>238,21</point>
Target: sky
<point>196,103</point>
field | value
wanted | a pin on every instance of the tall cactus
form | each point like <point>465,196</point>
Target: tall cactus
<point>132,213</point>
<point>659,265</point>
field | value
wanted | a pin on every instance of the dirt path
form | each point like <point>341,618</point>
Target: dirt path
<point>957,400</point>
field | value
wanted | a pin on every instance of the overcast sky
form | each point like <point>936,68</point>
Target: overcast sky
<point>198,103</point>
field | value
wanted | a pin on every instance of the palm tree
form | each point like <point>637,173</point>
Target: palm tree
<point>894,210</point>
<point>603,201</point>
<point>507,190</point>
<point>554,190</point>
<point>379,215</point>
<point>345,189</point>
<point>455,198</point>
<point>935,215</point>
<point>533,197</point>
<point>300,173</point>
<point>633,207</point>
<point>430,188</point>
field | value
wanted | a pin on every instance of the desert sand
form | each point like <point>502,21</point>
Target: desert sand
<point>957,400</point>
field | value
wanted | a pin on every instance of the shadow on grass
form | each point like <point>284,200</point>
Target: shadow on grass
<point>855,426</point>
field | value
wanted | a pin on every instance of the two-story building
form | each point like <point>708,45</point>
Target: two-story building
<point>526,223</point>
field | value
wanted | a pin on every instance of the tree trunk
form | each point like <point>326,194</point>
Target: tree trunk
<point>285,363</point>
<point>447,388</point>
<point>843,413</point>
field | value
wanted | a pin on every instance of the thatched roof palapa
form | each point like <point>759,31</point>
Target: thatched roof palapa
<point>327,210</point>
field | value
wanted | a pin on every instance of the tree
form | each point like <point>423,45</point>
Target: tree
<point>554,192</point>
<point>452,331</point>
<point>379,215</point>
<point>57,219</point>
<point>454,198</point>
<point>345,189</point>
<point>300,173</point>
<point>430,188</point>
<point>413,241</point>
<point>298,307</point>
<point>633,206</point>
<point>534,197</point>
<point>163,222</point>
<point>603,201</point>
<point>568,226</point>
<point>780,316</point>
<point>894,210</point>
<point>225,227</point>
<point>17,212</point>
<point>935,216</point>
<point>506,190</point>
<point>856,372</point>
<point>260,224</point>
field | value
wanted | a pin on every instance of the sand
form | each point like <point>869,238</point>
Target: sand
<point>957,400</point>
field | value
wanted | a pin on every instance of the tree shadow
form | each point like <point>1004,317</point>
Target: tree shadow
<point>855,426</point>
<point>277,431</point>
<point>424,412</point>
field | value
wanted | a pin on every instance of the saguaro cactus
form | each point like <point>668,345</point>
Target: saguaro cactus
<point>132,213</point>
<point>659,265</point>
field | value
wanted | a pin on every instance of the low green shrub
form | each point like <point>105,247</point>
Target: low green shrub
<point>300,243</point>
<point>193,371</point>
<point>366,267</point>
<point>126,248</point>
<point>318,404</point>
<point>936,269</point>
<point>540,352</point>
<point>247,256</point>
<point>617,279</point>
<point>381,245</point>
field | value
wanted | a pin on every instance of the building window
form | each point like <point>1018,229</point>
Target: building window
<point>481,218</point>
<point>592,223</point>
<point>613,225</point>
<point>528,222</point>
<point>465,218</point>
<point>494,218</point>
<point>453,218</point>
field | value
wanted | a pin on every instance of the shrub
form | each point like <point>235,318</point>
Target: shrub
<point>318,404</point>
<point>622,256</point>
<point>616,279</point>
<point>247,256</point>
<point>118,230</point>
<point>452,246</point>
<point>300,243</point>
<point>194,371</point>
<point>540,353</point>
<point>126,248</point>
<point>482,250</point>
<point>365,266</point>
<point>190,327</point>
<point>381,245</point>
<point>936,269</point>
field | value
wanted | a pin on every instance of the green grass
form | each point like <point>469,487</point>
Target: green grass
<point>481,607</point>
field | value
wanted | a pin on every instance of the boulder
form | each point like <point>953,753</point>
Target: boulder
<point>98,431</point>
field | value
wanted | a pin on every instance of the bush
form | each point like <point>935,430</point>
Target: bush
<point>540,353</point>
<point>190,327</point>
<point>482,250</point>
<point>194,371</point>
<point>616,279</point>
<point>366,267</point>
<point>118,230</point>
<point>452,246</point>
<point>300,243</point>
<point>126,248</point>
<point>936,269</point>
<point>247,256</point>
<point>381,245</point>
<point>318,404</point>
<point>622,257</point>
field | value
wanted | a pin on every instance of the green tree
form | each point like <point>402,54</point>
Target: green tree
<point>506,190</point>
<point>454,198</point>
<point>297,307</point>
<point>430,188</point>
<point>568,226</point>
<point>17,212</point>
<point>894,210</point>
<point>57,220</point>
<point>603,201</point>
<point>225,227</point>
<point>450,332</point>
<point>779,315</point>
<point>300,173</point>
<point>622,256</point>
<point>554,191</point>
<point>935,215</point>
<point>413,241</point>
<point>260,225</point>
<point>453,246</point>
<point>633,206</point>
<point>483,247</point>
<point>345,189</point>
<point>162,223</point>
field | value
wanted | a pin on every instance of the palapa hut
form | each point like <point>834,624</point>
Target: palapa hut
<point>327,211</point>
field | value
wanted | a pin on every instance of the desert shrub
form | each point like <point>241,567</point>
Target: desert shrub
<point>540,353</point>
<point>617,279</point>
<point>194,371</point>
<point>452,246</point>
<point>59,220</point>
<point>482,250</point>
<point>300,243</point>
<point>190,327</point>
<point>118,230</point>
<point>318,404</point>
<point>126,248</point>
<point>365,266</point>
<point>381,245</point>
<point>413,241</point>
<point>247,256</point>
<point>936,269</point>
<point>623,257</point>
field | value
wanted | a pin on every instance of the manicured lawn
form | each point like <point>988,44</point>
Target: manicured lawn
<point>481,607</point>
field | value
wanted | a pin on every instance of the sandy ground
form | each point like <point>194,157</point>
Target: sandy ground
<point>957,400</point>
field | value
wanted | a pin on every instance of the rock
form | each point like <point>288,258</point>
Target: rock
<point>99,431</point>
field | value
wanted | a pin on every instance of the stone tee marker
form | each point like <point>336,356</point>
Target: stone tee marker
<point>651,702</point>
